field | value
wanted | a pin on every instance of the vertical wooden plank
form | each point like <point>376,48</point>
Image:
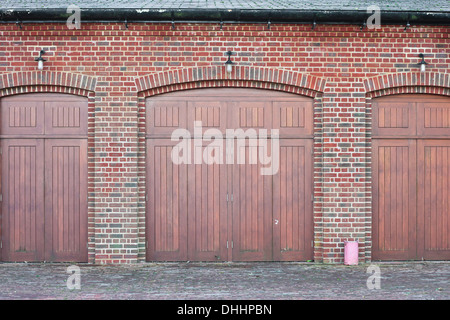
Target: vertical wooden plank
<point>283,187</point>
<point>407,183</point>
<point>393,204</point>
<point>255,233</point>
<point>431,223</point>
<point>378,187</point>
<point>289,208</point>
<point>203,203</point>
<point>156,155</point>
<point>387,208</point>
<point>175,203</point>
<point>438,197</point>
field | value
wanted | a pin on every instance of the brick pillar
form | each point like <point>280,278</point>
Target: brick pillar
<point>344,168</point>
<point>116,177</point>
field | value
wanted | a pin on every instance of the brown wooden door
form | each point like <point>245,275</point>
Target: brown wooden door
<point>22,204</point>
<point>187,208</point>
<point>167,203</point>
<point>433,219</point>
<point>65,200</point>
<point>394,199</point>
<point>250,198</point>
<point>44,178</point>
<point>292,207</point>
<point>207,211</point>
<point>225,211</point>
<point>410,174</point>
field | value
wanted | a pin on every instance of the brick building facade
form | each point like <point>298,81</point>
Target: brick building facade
<point>343,68</point>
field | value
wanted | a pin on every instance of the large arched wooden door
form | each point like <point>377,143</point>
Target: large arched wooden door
<point>227,210</point>
<point>411,177</point>
<point>44,178</point>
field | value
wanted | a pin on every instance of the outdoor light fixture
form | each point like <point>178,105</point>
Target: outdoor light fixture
<point>40,60</point>
<point>229,63</point>
<point>363,25</point>
<point>422,63</point>
<point>407,26</point>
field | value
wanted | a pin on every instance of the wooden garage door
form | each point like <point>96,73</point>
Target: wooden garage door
<point>44,178</point>
<point>228,210</point>
<point>411,190</point>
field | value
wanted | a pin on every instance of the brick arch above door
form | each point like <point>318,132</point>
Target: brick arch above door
<point>408,82</point>
<point>242,76</point>
<point>46,81</point>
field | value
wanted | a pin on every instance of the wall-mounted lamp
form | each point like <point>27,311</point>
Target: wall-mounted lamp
<point>407,26</point>
<point>422,63</point>
<point>363,25</point>
<point>40,60</point>
<point>229,63</point>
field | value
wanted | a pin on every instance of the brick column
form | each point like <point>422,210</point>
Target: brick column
<point>345,203</point>
<point>116,174</point>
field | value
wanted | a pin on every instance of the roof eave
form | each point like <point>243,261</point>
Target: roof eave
<point>10,15</point>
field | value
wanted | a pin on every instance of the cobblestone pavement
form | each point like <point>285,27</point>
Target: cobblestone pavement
<point>213,281</point>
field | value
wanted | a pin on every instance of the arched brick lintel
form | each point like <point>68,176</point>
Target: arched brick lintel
<point>243,76</point>
<point>413,80</point>
<point>46,81</point>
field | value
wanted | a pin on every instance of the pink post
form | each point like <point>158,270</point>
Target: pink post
<point>350,252</point>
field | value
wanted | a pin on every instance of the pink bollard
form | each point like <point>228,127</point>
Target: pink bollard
<point>350,252</point>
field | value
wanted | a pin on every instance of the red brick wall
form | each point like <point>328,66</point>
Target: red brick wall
<point>339,65</point>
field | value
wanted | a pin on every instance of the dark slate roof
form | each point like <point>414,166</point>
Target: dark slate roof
<point>295,11</point>
<point>385,5</point>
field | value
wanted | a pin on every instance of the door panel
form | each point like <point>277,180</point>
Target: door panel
<point>66,200</point>
<point>22,117</point>
<point>394,198</point>
<point>207,212</point>
<point>23,205</point>
<point>292,209</point>
<point>164,116</point>
<point>433,118</point>
<point>393,117</point>
<point>167,203</point>
<point>66,117</point>
<point>433,199</point>
<point>251,209</point>
<point>187,207</point>
<point>293,119</point>
<point>212,114</point>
